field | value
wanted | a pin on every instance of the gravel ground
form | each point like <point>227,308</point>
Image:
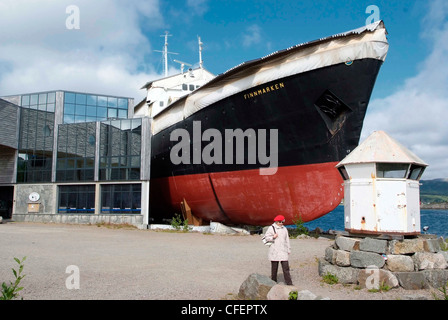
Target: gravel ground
<point>136,264</point>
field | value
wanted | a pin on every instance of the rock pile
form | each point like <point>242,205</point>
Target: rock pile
<point>410,263</point>
<point>261,287</point>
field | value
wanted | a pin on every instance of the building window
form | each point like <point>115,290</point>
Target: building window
<point>35,151</point>
<point>120,150</point>
<point>391,170</point>
<point>76,152</point>
<point>80,107</point>
<point>77,199</point>
<point>121,198</point>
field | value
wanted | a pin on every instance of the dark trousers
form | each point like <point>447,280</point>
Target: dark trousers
<point>285,267</point>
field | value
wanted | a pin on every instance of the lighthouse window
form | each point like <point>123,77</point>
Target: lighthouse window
<point>416,172</point>
<point>391,170</point>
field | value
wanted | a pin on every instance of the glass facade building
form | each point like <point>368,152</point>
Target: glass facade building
<point>83,152</point>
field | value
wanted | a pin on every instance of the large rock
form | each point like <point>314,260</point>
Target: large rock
<point>373,278</point>
<point>412,280</point>
<point>347,244</point>
<point>344,274</point>
<point>406,246</point>
<point>280,292</point>
<point>338,257</point>
<point>256,287</point>
<point>427,260</point>
<point>373,245</point>
<point>306,295</point>
<point>436,278</point>
<point>399,263</point>
<point>432,245</point>
<point>361,259</point>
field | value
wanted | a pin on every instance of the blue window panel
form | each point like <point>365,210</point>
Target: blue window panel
<point>91,111</point>
<point>69,97</point>
<point>122,113</point>
<point>123,103</point>
<point>80,98</point>
<point>102,113</point>
<point>34,99</point>
<point>91,100</point>
<point>80,110</point>
<point>102,101</point>
<point>112,102</point>
<point>69,108</point>
<point>25,100</point>
<point>42,98</point>
<point>111,113</point>
<point>51,97</point>
<point>50,107</point>
<point>68,118</point>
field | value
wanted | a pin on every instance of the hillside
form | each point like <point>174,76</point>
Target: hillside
<point>434,191</point>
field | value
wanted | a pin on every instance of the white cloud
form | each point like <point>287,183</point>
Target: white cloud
<point>252,36</point>
<point>106,55</point>
<point>416,115</point>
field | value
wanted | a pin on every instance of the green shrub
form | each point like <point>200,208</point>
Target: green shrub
<point>11,291</point>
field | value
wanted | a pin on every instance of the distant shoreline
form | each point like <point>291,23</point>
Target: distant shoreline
<point>435,206</point>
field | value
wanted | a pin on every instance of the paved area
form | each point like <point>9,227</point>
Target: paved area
<point>128,264</point>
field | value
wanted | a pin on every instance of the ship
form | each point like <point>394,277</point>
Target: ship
<point>264,137</point>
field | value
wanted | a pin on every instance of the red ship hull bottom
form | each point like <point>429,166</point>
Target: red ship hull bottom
<point>245,197</point>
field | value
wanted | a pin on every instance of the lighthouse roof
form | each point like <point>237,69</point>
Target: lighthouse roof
<point>379,147</point>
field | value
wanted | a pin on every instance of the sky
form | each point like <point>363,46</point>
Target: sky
<point>108,47</point>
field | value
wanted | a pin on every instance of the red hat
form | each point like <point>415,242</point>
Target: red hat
<point>279,218</point>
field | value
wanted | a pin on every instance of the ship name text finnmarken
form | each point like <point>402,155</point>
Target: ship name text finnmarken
<point>264,90</point>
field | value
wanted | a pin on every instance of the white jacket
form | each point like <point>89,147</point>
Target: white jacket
<point>280,249</point>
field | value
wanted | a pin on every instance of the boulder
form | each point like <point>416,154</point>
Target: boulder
<point>432,245</point>
<point>347,244</point>
<point>374,278</point>
<point>280,292</point>
<point>399,263</point>
<point>256,287</point>
<point>361,259</point>
<point>412,280</point>
<point>436,278</point>
<point>427,260</point>
<point>337,257</point>
<point>306,295</point>
<point>344,274</point>
<point>373,245</point>
<point>406,246</point>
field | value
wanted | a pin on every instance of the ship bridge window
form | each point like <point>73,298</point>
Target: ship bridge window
<point>184,87</point>
<point>392,170</point>
<point>333,111</point>
<point>416,172</point>
<point>191,87</point>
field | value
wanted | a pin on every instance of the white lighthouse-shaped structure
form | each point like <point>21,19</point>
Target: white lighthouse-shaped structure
<point>381,187</point>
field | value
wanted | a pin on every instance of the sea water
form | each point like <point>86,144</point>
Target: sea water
<point>436,220</point>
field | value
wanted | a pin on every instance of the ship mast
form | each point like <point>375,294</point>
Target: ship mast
<point>200,52</point>
<point>165,52</point>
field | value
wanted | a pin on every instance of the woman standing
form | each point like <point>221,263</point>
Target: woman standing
<point>279,251</point>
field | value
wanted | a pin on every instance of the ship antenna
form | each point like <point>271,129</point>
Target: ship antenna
<point>200,52</point>
<point>165,51</point>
